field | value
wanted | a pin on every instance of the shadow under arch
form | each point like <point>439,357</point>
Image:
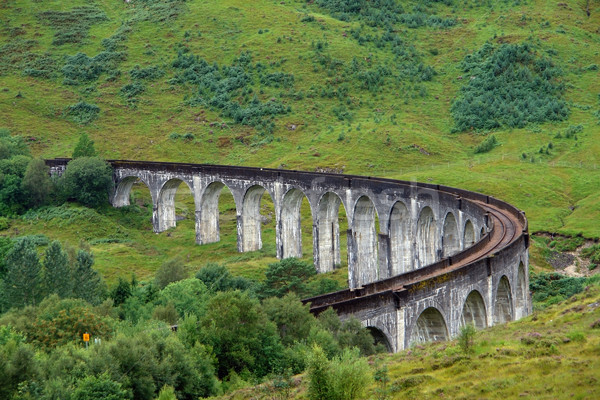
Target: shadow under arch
<point>400,239</point>
<point>426,237</point>
<point>329,244</point>
<point>521,294</point>
<point>450,238</point>
<point>291,223</point>
<point>380,338</point>
<point>208,228</point>
<point>252,219</point>
<point>364,231</point>
<point>166,203</point>
<point>468,235</point>
<point>503,311</point>
<point>430,327</point>
<point>473,311</point>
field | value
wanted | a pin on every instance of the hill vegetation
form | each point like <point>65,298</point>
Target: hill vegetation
<point>496,96</point>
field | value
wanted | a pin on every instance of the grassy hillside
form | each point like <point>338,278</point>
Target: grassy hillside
<point>302,85</point>
<point>552,354</point>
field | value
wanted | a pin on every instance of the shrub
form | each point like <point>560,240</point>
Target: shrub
<point>488,144</point>
<point>132,89</point>
<point>148,73</point>
<point>87,180</point>
<point>170,271</point>
<point>466,338</point>
<point>510,86</point>
<point>82,112</point>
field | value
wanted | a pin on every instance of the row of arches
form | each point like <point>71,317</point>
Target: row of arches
<point>431,324</point>
<point>413,239</point>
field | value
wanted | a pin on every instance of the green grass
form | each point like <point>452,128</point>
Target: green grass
<point>400,129</point>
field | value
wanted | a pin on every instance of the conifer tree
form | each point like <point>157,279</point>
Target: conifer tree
<point>57,271</point>
<point>87,283</point>
<point>85,147</point>
<point>23,282</point>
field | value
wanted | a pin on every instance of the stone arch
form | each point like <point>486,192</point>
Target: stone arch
<point>207,222</point>
<point>450,238</point>
<point>251,219</point>
<point>430,327</point>
<point>503,310</point>
<point>365,240</point>
<point>426,237</point>
<point>400,239</point>
<point>521,295</point>
<point>166,204</point>
<point>328,245</point>
<point>468,235</point>
<point>123,190</point>
<point>473,311</point>
<point>290,224</point>
<point>380,338</point>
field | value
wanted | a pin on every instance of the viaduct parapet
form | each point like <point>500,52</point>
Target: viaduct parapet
<point>439,257</point>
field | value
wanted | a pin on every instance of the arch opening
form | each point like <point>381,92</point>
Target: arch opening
<point>208,228</point>
<point>469,235</point>
<point>332,228</point>
<point>426,237</point>
<point>503,305</point>
<point>365,239</point>
<point>256,212</point>
<point>400,239</point>
<point>175,203</point>
<point>294,206</point>
<point>380,340</point>
<point>123,192</point>
<point>483,232</point>
<point>430,327</point>
<point>450,238</point>
<point>521,295</point>
<point>473,311</point>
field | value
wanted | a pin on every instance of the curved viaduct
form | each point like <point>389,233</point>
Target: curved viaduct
<point>440,257</point>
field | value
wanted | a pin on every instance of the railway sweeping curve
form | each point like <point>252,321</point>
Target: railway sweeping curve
<point>438,258</point>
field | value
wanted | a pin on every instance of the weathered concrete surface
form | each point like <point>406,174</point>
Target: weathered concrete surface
<point>403,264</point>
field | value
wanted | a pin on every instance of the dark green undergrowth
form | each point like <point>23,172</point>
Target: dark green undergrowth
<point>508,85</point>
<point>72,26</point>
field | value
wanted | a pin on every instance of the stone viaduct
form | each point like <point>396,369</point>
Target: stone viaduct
<point>440,257</point>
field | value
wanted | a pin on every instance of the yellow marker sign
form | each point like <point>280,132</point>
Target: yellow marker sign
<point>86,337</point>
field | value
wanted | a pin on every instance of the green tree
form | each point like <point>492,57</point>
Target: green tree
<point>293,319</point>
<point>36,183</point>
<point>287,275</point>
<point>172,270</point>
<point>240,334</point>
<point>99,388</point>
<point>87,282</point>
<point>23,281</point>
<point>85,147</point>
<point>57,271</point>
<point>217,278</point>
<point>319,376</point>
<point>189,296</point>
<point>351,376</point>
<point>87,180</point>
<point>121,292</point>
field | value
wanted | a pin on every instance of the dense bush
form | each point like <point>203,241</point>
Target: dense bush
<point>509,85</point>
<point>82,112</point>
<point>487,145</point>
<point>87,180</point>
<point>150,73</point>
<point>551,288</point>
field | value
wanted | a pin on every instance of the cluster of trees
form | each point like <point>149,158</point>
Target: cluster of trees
<point>25,182</point>
<point>195,337</point>
<point>25,280</point>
